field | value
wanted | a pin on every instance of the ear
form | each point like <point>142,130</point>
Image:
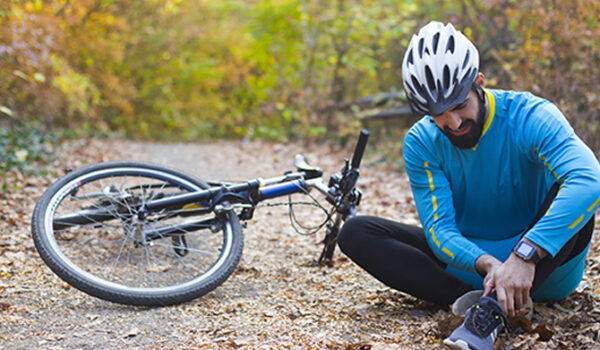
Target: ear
<point>480,80</point>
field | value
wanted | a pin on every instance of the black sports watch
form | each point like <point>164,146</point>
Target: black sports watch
<point>526,251</point>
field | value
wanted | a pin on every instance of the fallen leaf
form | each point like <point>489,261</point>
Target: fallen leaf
<point>520,322</point>
<point>543,331</point>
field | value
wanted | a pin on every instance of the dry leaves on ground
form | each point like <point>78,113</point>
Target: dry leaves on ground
<point>276,298</point>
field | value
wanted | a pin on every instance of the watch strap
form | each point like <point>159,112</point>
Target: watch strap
<point>532,255</point>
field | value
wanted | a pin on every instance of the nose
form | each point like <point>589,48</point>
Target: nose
<point>450,119</point>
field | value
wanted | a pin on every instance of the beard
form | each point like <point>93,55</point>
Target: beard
<point>470,139</point>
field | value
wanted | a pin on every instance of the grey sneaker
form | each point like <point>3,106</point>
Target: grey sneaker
<point>465,301</point>
<point>527,310</point>
<point>480,329</point>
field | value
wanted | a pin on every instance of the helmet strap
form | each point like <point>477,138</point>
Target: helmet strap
<point>481,97</point>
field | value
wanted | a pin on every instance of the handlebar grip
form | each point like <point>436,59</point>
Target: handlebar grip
<point>360,148</point>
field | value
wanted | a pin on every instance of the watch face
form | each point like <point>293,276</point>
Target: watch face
<point>524,249</point>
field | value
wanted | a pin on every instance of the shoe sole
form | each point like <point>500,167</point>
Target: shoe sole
<point>457,345</point>
<point>464,303</point>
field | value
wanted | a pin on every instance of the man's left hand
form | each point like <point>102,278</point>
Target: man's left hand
<point>513,281</point>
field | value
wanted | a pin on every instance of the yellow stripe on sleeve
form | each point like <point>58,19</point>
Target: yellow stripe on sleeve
<point>594,205</point>
<point>448,252</point>
<point>549,167</point>
<point>445,250</point>
<point>576,221</point>
<point>434,200</point>
<point>433,236</point>
<point>429,177</point>
<point>430,180</point>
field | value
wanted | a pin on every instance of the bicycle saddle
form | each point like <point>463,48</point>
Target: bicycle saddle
<point>310,171</point>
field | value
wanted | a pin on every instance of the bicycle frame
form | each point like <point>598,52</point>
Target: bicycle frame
<point>251,192</point>
<point>247,195</point>
<point>340,192</point>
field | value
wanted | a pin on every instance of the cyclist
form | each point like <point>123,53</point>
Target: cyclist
<point>506,195</point>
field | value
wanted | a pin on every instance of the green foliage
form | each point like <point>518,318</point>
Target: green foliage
<point>197,69</point>
<point>25,149</point>
<point>276,69</point>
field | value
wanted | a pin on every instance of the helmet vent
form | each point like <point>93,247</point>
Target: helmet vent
<point>436,39</point>
<point>417,85</point>
<point>446,77</point>
<point>430,80</point>
<point>450,45</point>
<point>467,59</point>
<point>410,57</point>
<point>421,44</point>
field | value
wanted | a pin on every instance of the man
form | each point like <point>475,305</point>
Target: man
<point>505,191</point>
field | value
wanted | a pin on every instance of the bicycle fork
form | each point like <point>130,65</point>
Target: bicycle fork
<point>330,241</point>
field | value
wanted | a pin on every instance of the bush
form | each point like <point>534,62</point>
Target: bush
<point>27,150</point>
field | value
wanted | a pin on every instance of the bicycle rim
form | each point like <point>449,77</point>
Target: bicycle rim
<point>95,240</point>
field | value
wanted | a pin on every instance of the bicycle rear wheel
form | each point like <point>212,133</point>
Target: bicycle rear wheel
<point>86,228</point>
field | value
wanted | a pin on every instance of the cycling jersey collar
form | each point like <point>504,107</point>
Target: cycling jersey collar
<point>490,116</point>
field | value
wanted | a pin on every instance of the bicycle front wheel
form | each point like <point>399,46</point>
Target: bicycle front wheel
<point>87,229</point>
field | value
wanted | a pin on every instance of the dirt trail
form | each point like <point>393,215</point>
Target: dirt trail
<point>275,299</point>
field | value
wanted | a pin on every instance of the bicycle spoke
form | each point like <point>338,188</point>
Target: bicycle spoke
<point>119,255</point>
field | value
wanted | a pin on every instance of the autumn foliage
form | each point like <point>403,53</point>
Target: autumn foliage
<point>181,69</point>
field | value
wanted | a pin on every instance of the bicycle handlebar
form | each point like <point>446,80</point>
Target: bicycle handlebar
<point>360,148</point>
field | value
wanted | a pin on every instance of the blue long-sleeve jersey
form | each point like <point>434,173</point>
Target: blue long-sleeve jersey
<point>481,200</point>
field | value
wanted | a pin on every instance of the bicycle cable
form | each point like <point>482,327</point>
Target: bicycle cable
<point>307,231</point>
<point>296,225</point>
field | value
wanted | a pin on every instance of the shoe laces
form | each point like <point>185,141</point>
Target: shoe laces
<point>485,319</point>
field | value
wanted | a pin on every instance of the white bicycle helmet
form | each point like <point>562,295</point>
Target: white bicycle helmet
<point>439,68</point>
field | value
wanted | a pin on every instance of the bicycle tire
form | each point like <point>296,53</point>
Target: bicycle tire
<point>86,229</point>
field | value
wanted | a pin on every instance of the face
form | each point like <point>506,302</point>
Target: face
<point>462,124</point>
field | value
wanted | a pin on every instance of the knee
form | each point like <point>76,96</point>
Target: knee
<point>348,236</point>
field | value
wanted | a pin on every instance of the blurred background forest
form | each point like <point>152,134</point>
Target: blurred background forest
<point>280,70</point>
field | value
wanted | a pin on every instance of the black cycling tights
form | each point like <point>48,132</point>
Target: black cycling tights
<point>398,255</point>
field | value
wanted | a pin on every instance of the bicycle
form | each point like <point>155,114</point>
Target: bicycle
<point>143,234</point>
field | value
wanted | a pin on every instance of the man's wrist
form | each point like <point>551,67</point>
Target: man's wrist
<point>484,263</point>
<point>528,251</point>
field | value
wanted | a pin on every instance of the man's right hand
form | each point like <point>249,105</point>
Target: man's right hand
<point>511,280</point>
<point>486,263</point>
<point>485,266</point>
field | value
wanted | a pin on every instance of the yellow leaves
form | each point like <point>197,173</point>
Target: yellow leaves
<point>32,6</point>
<point>172,6</point>
<point>21,75</point>
<point>468,32</point>
<point>39,77</point>
<point>80,90</point>
<point>6,110</point>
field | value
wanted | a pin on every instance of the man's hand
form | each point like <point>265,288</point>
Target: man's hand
<point>485,266</point>
<point>512,280</point>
